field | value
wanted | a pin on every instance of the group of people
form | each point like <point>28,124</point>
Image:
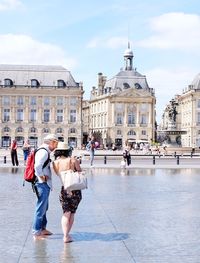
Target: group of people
<point>69,200</point>
<point>13,151</point>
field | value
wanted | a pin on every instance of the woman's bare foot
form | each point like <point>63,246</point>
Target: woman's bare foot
<point>67,239</point>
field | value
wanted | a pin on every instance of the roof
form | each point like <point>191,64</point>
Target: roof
<point>46,75</point>
<point>127,79</point>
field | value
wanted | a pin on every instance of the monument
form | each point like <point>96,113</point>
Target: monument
<point>171,135</point>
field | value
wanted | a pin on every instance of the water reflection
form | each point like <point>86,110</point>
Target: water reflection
<point>141,171</point>
<point>40,251</point>
<point>14,170</point>
<point>120,171</point>
<point>66,254</point>
<point>125,172</point>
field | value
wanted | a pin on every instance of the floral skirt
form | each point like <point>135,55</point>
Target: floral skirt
<point>70,202</point>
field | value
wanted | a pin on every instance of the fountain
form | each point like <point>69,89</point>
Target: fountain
<point>172,135</point>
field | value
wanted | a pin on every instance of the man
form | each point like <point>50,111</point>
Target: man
<point>43,185</point>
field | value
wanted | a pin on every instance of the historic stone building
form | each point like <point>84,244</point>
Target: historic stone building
<point>36,100</point>
<point>122,109</point>
<point>189,103</point>
<point>85,119</point>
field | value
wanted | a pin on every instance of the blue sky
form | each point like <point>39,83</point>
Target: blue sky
<point>88,37</point>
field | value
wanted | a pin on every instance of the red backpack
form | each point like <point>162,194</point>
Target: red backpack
<point>29,172</point>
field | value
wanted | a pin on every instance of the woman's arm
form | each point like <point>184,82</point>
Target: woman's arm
<point>76,165</point>
<point>55,167</point>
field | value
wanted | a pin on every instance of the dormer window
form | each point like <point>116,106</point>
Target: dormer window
<point>61,83</point>
<point>8,83</point>
<point>35,83</point>
<point>138,86</point>
<point>126,85</point>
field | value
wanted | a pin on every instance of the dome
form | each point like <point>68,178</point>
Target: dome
<point>128,53</point>
<point>196,82</point>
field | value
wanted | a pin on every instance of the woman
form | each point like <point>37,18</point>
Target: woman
<point>26,150</point>
<point>69,201</point>
<point>127,155</point>
<point>14,157</point>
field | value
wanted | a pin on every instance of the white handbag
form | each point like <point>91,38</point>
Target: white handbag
<point>72,180</point>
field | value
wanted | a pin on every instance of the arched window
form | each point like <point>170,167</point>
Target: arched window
<point>35,83</point>
<point>59,130</point>
<point>6,129</point>
<point>131,132</point>
<point>19,129</point>
<point>72,130</point>
<point>45,130</point>
<point>8,83</point>
<point>61,83</point>
<point>33,129</point>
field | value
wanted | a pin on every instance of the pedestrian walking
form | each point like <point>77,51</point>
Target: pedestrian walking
<point>69,200</point>
<point>14,157</point>
<point>43,186</point>
<point>127,155</point>
<point>26,150</point>
<point>91,148</point>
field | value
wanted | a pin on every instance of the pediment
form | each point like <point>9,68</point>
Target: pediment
<point>133,93</point>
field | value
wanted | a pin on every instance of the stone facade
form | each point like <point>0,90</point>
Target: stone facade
<point>37,100</point>
<point>122,109</point>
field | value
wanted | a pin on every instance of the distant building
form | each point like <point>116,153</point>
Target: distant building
<point>190,113</point>
<point>37,100</point>
<point>85,120</point>
<point>122,109</point>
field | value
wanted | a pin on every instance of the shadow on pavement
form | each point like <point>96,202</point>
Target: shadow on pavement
<point>90,236</point>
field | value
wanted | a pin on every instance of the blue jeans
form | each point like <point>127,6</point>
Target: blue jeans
<point>40,220</point>
<point>91,157</point>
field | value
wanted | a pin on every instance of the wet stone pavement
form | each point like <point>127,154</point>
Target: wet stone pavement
<point>136,215</point>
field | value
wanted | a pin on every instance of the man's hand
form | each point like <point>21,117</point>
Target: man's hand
<point>43,178</point>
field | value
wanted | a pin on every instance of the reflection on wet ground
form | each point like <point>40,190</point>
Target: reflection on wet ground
<point>136,215</point>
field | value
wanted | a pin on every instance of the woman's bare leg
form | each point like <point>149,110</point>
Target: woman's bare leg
<point>65,223</point>
<point>71,221</point>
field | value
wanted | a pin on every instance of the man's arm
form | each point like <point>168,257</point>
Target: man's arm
<point>40,158</point>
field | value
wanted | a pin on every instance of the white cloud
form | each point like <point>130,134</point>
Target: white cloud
<point>112,42</point>
<point>167,83</point>
<point>22,49</point>
<point>174,31</point>
<point>9,4</point>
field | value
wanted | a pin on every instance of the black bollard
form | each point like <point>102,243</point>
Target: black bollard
<point>105,159</point>
<point>191,155</point>
<point>177,160</point>
<point>175,154</point>
<point>4,159</point>
<point>154,159</point>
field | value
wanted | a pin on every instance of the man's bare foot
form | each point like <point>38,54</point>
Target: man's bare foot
<point>67,239</point>
<point>46,232</point>
<point>39,237</point>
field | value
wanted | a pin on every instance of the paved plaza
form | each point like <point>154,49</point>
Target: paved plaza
<point>141,215</point>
